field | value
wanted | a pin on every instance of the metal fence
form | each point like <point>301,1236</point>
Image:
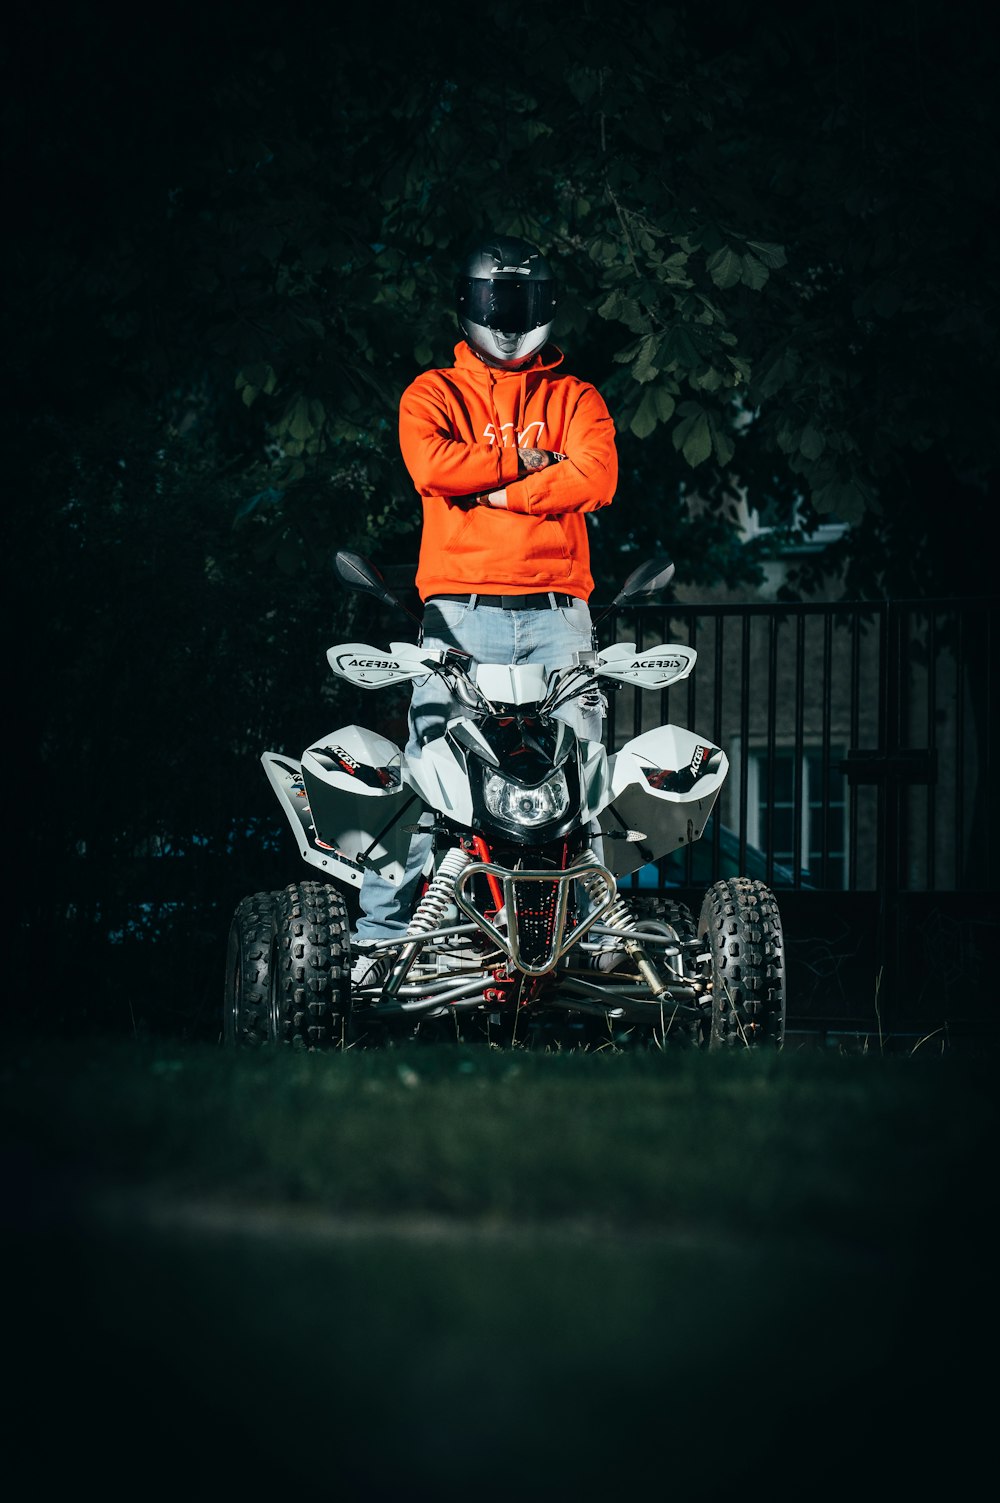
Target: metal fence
<point>862,789</point>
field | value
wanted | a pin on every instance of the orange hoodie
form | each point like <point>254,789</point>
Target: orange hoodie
<point>459,431</point>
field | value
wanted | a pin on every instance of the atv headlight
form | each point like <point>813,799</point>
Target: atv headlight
<point>515,804</point>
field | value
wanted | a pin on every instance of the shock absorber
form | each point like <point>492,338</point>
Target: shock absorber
<point>434,903</point>
<point>619,916</point>
<point>428,914</point>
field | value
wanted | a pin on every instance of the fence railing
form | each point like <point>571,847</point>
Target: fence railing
<point>861,739</point>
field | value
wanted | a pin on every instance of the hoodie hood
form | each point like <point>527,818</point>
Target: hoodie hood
<point>548,358</point>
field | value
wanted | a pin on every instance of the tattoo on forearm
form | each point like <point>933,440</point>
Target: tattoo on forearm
<point>533,459</point>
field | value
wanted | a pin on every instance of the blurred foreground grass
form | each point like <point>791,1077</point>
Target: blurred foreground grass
<point>451,1272</point>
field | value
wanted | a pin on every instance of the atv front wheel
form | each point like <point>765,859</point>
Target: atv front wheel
<point>741,927</point>
<point>287,972</point>
<point>310,987</point>
<point>249,959</point>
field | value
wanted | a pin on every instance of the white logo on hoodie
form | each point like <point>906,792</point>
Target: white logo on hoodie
<point>506,434</point>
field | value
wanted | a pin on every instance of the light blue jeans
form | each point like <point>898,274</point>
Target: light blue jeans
<point>552,637</point>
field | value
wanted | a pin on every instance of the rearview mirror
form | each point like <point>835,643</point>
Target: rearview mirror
<point>651,576</point>
<point>655,574</point>
<point>359,573</point>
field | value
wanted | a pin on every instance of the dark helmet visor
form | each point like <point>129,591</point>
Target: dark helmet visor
<point>506,305</point>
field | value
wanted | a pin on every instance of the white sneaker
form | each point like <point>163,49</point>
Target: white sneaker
<point>368,970</point>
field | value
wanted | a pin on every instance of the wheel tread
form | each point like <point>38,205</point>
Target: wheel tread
<point>310,984</point>
<point>286,968</point>
<point>741,924</point>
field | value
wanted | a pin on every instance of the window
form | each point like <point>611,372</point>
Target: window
<point>819,847</point>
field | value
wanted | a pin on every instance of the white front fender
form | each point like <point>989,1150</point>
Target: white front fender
<point>663,786</point>
<point>348,804</point>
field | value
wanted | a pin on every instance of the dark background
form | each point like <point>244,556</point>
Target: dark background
<point>230,238</point>
<point>205,205</point>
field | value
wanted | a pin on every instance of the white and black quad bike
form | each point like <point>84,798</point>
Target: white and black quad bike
<point>521,934</point>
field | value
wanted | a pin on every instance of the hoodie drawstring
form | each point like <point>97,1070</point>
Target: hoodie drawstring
<point>491,387</point>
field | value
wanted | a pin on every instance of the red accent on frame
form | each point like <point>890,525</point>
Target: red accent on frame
<point>484,853</point>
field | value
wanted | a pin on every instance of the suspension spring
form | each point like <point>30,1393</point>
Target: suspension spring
<point>618,915</point>
<point>441,892</point>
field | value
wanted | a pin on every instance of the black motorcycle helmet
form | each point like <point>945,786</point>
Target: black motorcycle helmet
<point>505,297</point>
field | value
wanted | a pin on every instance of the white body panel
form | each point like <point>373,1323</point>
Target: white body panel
<point>513,684</point>
<point>665,819</point>
<point>348,803</point>
<point>438,774</point>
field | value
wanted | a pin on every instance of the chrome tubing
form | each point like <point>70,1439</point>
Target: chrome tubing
<point>586,869</point>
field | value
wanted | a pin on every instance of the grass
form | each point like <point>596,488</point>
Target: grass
<point>455,1272</point>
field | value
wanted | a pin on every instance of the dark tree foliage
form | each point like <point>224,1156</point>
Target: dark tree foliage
<point>772,230</point>
<point>231,240</point>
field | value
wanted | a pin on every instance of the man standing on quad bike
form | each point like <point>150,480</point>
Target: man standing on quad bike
<point>507,454</point>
